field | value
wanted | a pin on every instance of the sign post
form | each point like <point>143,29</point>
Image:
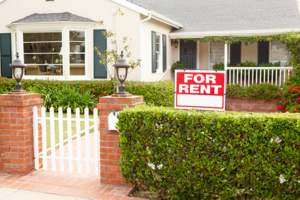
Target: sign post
<point>201,90</point>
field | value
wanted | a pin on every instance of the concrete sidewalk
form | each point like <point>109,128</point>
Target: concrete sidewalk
<point>14,194</point>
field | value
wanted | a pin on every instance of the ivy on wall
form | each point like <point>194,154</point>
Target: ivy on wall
<point>290,39</point>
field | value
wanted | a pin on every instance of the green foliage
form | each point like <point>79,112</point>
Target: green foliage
<point>211,155</point>
<point>291,93</point>
<point>155,93</point>
<point>220,66</point>
<point>159,93</point>
<point>66,97</point>
<point>265,91</point>
<point>178,65</point>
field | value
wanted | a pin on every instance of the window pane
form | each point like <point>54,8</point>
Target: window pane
<point>77,35</point>
<point>43,58</point>
<point>37,37</point>
<point>77,58</point>
<point>278,52</point>
<point>157,38</point>
<point>77,47</point>
<point>157,47</point>
<point>44,70</point>
<point>78,70</point>
<point>42,47</point>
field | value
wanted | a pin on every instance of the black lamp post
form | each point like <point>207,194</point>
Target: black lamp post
<point>18,70</point>
<point>122,70</point>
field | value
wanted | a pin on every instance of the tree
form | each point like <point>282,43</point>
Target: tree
<point>110,56</point>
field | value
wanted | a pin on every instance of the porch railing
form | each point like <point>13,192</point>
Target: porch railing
<point>257,75</point>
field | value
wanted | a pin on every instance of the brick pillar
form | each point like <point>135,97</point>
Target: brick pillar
<point>16,131</point>
<point>109,147</point>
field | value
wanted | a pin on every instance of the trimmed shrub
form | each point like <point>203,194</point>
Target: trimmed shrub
<point>155,93</point>
<point>265,91</point>
<point>159,93</point>
<point>210,155</point>
<point>178,65</point>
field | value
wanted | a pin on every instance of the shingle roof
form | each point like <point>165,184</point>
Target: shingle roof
<point>227,15</point>
<point>50,17</point>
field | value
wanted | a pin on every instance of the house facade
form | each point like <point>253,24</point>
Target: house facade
<point>57,38</point>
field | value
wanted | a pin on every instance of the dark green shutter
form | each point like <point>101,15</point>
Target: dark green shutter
<point>5,48</point>
<point>164,53</point>
<point>263,52</point>
<point>153,52</point>
<point>101,43</point>
<point>235,53</point>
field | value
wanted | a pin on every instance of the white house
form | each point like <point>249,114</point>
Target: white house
<point>60,35</point>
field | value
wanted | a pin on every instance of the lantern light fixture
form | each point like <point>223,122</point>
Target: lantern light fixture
<point>18,70</point>
<point>175,42</point>
<point>122,71</point>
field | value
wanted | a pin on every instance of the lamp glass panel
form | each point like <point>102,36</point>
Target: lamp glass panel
<point>122,74</point>
<point>18,73</point>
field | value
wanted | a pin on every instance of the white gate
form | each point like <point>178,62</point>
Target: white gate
<point>55,151</point>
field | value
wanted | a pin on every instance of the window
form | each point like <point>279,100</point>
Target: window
<point>77,52</point>
<point>158,53</point>
<point>216,53</point>
<point>279,53</point>
<point>43,53</point>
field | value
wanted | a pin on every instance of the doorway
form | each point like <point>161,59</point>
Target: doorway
<point>188,53</point>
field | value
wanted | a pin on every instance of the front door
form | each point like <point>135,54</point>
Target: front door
<point>5,53</point>
<point>188,53</point>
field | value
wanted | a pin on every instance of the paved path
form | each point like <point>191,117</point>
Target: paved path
<point>73,186</point>
<point>13,194</point>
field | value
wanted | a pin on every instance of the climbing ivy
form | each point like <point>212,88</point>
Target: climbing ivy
<point>291,39</point>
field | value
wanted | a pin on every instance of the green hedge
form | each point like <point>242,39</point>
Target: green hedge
<point>205,155</point>
<point>155,93</point>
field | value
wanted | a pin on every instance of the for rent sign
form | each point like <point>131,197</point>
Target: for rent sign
<point>202,90</point>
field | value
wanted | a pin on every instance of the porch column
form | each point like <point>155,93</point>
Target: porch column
<point>225,55</point>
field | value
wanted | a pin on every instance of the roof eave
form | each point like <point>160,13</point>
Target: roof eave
<point>52,22</point>
<point>146,12</point>
<point>243,33</point>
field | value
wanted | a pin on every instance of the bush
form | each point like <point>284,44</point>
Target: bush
<point>204,155</point>
<point>265,91</point>
<point>291,93</point>
<point>156,93</point>
<point>179,65</point>
<point>66,97</point>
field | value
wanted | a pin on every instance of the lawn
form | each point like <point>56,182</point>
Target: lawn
<point>65,127</point>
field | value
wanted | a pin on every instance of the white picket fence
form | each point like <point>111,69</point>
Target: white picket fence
<point>257,75</point>
<point>59,156</point>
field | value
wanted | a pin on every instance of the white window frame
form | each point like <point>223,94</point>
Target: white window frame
<point>228,54</point>
<point>282,63</point>
<point>20,42</point>
<point>77,77</point>
<point>159,60</point>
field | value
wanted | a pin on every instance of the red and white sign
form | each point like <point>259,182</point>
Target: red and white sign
<point>202,90</point>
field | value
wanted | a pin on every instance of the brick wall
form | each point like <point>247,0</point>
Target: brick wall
<point>251,105</point>
<point>16,132</point>
<point>109,147</point>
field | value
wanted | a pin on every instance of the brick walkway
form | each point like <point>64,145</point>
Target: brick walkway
<point>65,183</point>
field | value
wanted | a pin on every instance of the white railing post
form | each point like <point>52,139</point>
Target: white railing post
<point>97,141</point>
<point>78,139</point>
<point>52,133</point>
<point>70,140</point>
<point>44,138</point>
<point>61,140</point>
<point>36,137</point>
<point>87,140</point>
